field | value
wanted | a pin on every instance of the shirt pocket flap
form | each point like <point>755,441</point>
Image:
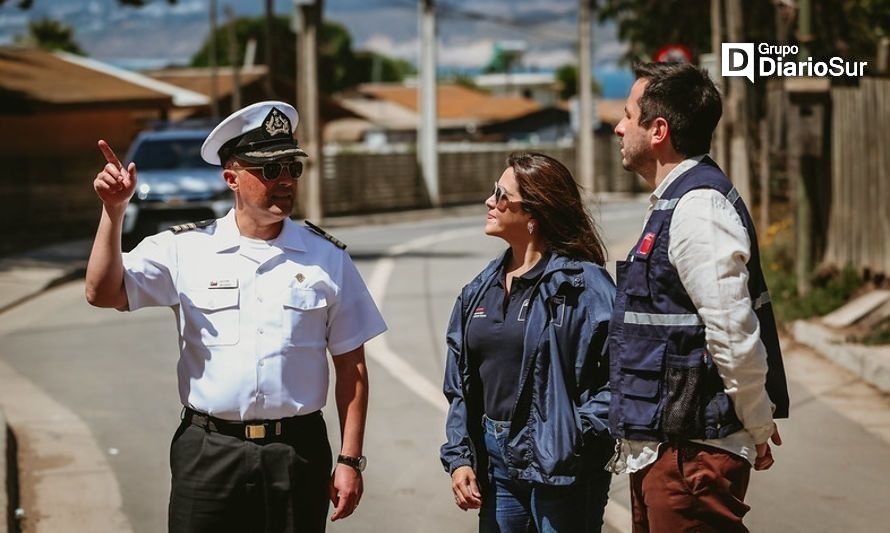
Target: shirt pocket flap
<point>214,299</point>
<point>305,299</point>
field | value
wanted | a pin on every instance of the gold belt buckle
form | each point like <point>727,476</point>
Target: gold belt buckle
<point>255,431</point>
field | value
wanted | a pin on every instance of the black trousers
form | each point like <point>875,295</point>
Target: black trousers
<point>224,483</point>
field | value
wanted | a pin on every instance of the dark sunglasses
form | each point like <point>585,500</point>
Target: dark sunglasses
<point>271,171</point>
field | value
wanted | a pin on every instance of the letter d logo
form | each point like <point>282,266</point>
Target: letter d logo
<point>737,59</point>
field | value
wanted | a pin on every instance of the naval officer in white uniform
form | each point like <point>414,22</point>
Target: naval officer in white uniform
<point>258,300</point>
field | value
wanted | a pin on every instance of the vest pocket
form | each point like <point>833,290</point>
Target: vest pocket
<point>641,370</point>
<point>686,392</point>
<point>637,273</point>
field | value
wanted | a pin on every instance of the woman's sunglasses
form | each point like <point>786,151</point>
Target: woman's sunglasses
<point>500,197</point>
<point>271,171</point>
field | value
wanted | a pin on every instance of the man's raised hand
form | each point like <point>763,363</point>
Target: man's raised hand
<point>114,184</point>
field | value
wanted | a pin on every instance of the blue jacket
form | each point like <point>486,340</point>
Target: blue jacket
<point>563,399</point>
<point>664,383</point>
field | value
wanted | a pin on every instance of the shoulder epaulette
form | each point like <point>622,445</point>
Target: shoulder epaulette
<point>334,240</point>
<point>189,226</point>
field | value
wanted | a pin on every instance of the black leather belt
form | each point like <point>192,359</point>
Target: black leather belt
<point>250,430</point>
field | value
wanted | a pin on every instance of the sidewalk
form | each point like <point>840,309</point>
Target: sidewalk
<point>830,337</point>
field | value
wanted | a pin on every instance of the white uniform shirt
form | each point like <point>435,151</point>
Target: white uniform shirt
<point>254,318</point>
<point>710,248</point>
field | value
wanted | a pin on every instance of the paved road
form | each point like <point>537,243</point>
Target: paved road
<point>116,373</point>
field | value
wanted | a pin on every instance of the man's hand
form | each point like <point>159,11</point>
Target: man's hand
<point>115,185</point>
<point>346,491</point>
<point>465,488</point>
<point>764,454</point>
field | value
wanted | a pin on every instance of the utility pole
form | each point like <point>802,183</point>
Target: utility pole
<point>803,187</point>
<point>268,49</point>
<point>214,81</point>
<point>584,156</point>
<point>719,143</point>
<point>739,167</point>
<point>233,59</point>
<point>309,17</point>
<point>428,130</point>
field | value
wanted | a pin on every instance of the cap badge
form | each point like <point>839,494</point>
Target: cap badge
<point>300,277</point>
<point>276,123</point>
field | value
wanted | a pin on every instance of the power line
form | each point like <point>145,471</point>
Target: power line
<point>454,12</point>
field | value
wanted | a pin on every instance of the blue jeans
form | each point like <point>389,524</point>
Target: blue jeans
<point>518,506</point>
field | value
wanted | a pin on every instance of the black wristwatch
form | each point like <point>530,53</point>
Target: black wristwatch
<point>358,463</point>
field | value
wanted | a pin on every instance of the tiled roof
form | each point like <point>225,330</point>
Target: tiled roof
<point>40,77</point>
<point>198,79</point>
<point>455,102</point>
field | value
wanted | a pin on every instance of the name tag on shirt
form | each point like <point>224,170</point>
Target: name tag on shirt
<point>223,284</point>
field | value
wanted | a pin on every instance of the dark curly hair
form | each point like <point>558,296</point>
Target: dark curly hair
<point>551,195</point>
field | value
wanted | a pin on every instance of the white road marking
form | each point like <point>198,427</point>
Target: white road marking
<point>378,349</point>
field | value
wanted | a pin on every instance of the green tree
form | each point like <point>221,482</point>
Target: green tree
<point>254,28</point>
<point>339,66</point>
<point>567,76</point>
<point>502,60</point>
<point>371,66</point>
<point>840,27</point>
<point>50,34</point>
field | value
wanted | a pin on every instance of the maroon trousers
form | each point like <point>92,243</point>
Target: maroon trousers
<point>691,487</point>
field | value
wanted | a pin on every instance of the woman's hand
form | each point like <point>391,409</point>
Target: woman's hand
<point>465,488</point>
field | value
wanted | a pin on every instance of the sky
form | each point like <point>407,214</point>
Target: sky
<point>160,34</point>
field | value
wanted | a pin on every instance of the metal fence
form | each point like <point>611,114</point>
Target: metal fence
<point>859,223</point>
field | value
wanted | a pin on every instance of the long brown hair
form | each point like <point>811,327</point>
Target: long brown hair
<point>551,195</point>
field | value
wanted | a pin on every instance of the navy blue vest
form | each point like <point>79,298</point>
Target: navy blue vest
<point>665,385</point>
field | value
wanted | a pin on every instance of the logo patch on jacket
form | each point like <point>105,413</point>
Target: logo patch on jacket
<point>646,244</point>
<point>479,312</point>
<point>557,310</point>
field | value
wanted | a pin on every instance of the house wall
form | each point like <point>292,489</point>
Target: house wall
<point>48,163</point>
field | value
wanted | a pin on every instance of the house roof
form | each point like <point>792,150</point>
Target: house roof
<point>37,77</point>
<point>198,79</point>
<point>456,104</point>
<point>610,111</point>
<point>516,79</point>
<point>383,113</point>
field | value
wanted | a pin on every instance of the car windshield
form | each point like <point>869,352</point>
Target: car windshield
<point>169,154</point>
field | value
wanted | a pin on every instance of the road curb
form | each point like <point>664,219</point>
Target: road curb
<point>9,500</point>
<point>871,363</point>
<point>66,275</point>
<point>4,498</point>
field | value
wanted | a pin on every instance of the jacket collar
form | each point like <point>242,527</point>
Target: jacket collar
<point>556,263</point>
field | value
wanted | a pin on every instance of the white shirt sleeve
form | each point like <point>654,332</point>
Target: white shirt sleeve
<point>150,272</point>
<point>710,248</point>
<point>353,318</point>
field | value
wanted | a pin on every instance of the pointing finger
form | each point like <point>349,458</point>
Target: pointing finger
<point>109,154</point>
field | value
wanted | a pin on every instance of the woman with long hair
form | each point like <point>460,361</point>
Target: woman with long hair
<point>526,376</point>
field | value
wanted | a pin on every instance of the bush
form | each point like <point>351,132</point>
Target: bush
<point>831,287</point>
